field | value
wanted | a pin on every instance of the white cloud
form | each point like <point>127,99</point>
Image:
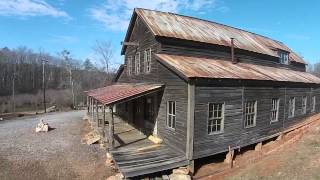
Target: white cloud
<point>25,8</point>
<point>199,4</point>
<point>115,14</point>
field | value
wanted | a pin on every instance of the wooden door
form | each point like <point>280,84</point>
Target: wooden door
<point>149,109</point>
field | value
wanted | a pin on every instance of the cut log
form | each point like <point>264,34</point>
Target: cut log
<point>42,127</point>
<point>93,140</point>
<point>154,139</point>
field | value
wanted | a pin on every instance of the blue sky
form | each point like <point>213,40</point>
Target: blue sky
<point>54,25</point>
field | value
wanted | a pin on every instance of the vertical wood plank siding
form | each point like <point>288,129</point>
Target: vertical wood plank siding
<point>234,132</point>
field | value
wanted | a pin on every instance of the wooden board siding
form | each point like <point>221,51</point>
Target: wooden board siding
<point>146,40</point>
<point>224,52</point>
<point>204,144</point>
<point>231,92</point>
<point>175,90</point>
<point>234,132</point>
<point>298,93</point>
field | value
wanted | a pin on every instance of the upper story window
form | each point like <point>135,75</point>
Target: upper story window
<point>313,104</point>
<point>250,114</point>
<point>304,105</point>
<point>284,57</point>
<point>129,65</point>
<point>274,109</point>
<point>292,104</point>
<point>137,63</point>
<point>171,114</point>
<point>147,61</point>
<point>216,118</point>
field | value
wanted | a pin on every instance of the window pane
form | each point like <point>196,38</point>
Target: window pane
<point>219,114</point>
<point>215,113</point>
<point>173,122</point>
<point>250,113</point>
<point>173,108</point>
<point>215,118</point>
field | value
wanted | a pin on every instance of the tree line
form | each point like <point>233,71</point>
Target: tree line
<point>22,73</point>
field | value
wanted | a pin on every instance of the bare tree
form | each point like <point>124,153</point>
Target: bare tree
<point>69,66</point>
<point>103,50</point>
<point>22,75</point>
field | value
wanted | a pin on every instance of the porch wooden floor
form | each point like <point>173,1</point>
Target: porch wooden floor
<point>136,155</point>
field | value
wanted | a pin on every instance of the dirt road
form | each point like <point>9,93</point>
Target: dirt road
<point>57,154</point>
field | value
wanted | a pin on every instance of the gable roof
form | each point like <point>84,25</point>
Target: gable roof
<point>197,67</point>
<point>171,25</point>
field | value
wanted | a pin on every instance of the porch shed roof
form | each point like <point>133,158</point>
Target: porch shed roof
<point>198,67</point>
<point>121,92</point>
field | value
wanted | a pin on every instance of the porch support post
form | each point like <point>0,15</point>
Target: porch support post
<point>111,130</point>
<point>92,109</point>
<point>190,125</point>
<point>104,122</point>
<point>97,111</point>
<point>88,105</point>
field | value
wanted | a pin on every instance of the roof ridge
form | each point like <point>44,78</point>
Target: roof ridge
<point>210,21</point>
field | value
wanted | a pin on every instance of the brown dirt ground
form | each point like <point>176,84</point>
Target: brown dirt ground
<point>58,154</point>
<point>293,161</point>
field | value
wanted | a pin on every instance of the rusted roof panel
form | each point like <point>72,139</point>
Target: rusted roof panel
<point>189,28</point>
<point>196,67</point>
<point>118,92</point>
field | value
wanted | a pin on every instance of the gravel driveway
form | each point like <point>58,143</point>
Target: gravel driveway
<point>57,154</point>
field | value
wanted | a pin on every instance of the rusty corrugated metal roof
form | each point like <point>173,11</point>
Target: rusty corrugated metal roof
<point>196,67</point>
<point>118,92</point>
<point>189,28</point>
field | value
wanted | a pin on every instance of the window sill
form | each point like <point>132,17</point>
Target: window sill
<point>171,129</point>
<point>274,121</point>
<point>215,133</point>
<point>248,127</point>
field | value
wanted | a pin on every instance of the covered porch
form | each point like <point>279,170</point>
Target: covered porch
<point>125,116</point>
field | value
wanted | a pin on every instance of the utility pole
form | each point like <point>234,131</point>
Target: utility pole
<point>13,89</point>
<point>13,84</point>
<point>44,84</point>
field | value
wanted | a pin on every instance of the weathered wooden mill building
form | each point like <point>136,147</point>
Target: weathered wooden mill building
<point>202,87</point>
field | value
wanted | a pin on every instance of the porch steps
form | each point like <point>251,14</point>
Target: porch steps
<point>135,162</point>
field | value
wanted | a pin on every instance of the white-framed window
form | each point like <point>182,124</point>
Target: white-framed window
<point>284,57</point>
<point>147,61</point>
<point>250,114</point>
<point>137,63</point>
<point>171,114</point>
<point>313,104</point>
<point>129,65</point>
<point>274,109</point>
<point>291,107</point>
<point>216,118</point>
<point>304,105</point>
